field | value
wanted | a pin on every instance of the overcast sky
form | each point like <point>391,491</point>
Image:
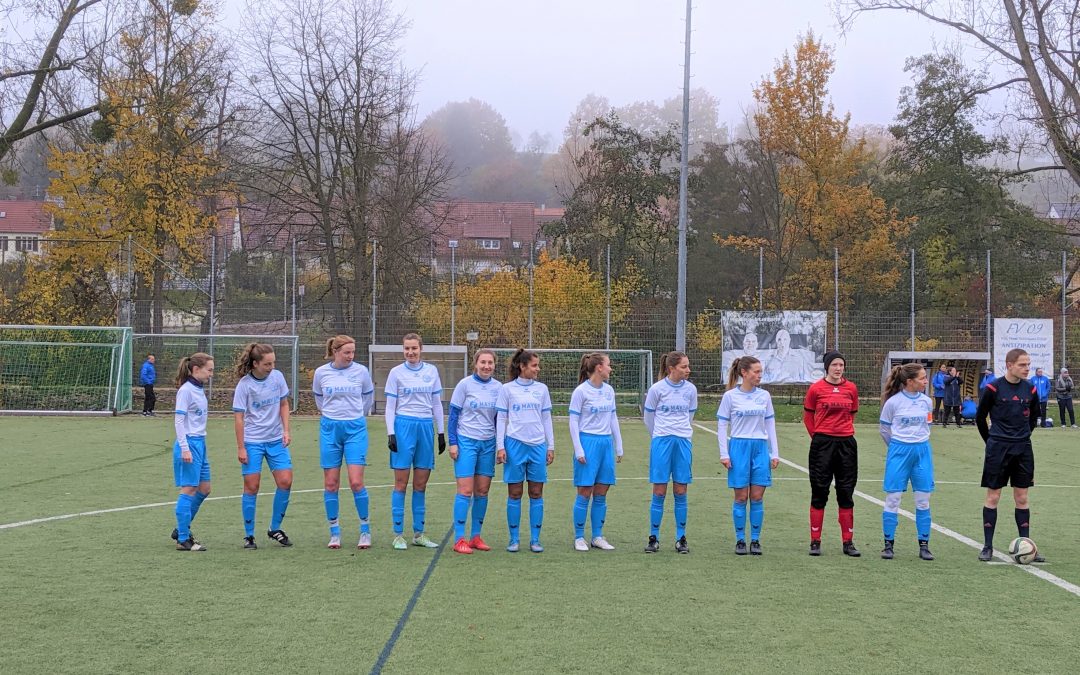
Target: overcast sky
<point>534,60</point>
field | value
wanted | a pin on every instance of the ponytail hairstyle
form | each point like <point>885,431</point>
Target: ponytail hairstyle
<point>739,368</point>
<point>413,336</point>
<point>669,361</point>
<point>337,342</point>
<point>522,357</point>
<point>898,378</point>
<point>188,363</point>
<point>251,354</point>
<point>589,363</point>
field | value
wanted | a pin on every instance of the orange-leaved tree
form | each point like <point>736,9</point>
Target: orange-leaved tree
<point>825,203</point>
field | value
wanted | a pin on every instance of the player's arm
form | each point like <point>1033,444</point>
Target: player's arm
<point>1034,409</point>
<point>616,435</point>
<point>649,417</point>
<point>316,389</point>
<point>986,402</point>
<point>575,424</point>
<point>809,409</point>
<point>770,431</point>
<point>723,417</point>
<point>180,422</point>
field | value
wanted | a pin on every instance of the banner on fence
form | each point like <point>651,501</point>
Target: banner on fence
<point>790,345</point>
<point>1035,336</point>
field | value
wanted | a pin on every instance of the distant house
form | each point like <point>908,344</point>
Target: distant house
<point>1068,211</point>
<point>486,236</point>
<point>23,223</point>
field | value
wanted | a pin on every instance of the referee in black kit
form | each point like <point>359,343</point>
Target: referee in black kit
<point>1012,404</point>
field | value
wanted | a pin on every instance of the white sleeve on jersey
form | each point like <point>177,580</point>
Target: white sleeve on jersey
<point>575,417</point>
<point>885,420</point>
<point>616,434</point>
<point>437,412</point>
<point>546,414</point>
<point>770,429</point>
<point>502,403</point>
<point>183,402</point>
<point>723,418</point>
<point>316,388</point>
<point>650,409</point>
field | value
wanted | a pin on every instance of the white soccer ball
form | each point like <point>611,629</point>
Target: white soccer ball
<point>1023,550</point>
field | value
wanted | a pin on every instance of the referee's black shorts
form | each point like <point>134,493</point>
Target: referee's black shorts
<point>833,457</point>
<point>1008,463</point>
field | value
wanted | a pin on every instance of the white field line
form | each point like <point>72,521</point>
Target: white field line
<point>952,534</point>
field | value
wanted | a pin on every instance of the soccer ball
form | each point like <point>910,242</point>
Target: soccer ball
<point>1022,550</point>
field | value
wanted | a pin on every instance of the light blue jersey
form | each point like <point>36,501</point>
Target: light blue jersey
<point>260,402</point>
<point>524,407</point>
<point>190,417</point>
<point>475,401</point>
<point>343,393</point>
<point>670,408</point>
<point>906,418</point>
<point>749,415</point>
<point>416,390</point>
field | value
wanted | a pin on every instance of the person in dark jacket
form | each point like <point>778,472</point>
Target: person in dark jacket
<point>147,378</point>
<point>938,383</point>
<point>952,396</point>
<point>1063,388</point>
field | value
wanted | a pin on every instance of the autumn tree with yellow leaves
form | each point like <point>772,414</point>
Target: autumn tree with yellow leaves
<point>148,174</point>
<point>569,305</point>
<point>823,201</point>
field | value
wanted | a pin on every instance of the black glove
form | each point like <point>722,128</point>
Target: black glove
<point>442,443</point>
<point>391,442</point>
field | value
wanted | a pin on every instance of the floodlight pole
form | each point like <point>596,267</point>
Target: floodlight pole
<point>1064,271</point>
<point>607,318</point>
<point>912,299</point>
<point>453,290</point>
<point>989,337</point>
<point>761,278</point>
<point>836,298</point>
<point>374,284</point>
<point>680,311</point>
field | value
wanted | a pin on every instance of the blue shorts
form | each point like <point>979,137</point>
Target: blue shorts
<point>670,458</point>
<point>275,452</point>
<point>750,463</point>
<point>909,462</point>
<point>599,466</point>
<point>415,443</point>
<point>342,439</point>
<point>475,458</point>
<point>190,474</point>
<point>525,462</point>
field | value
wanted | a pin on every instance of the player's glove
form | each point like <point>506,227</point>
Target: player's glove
<point>442,443</point>
<point>391,442</point>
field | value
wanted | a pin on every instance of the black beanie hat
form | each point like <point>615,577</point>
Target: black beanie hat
<point>832,356</point>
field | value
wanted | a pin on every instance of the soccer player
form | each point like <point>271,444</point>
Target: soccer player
<point>191,465</point>
<point>1042,387</point>
<point>753,451</point>
<point>829,417</point>
<point>147,378</point>
<point>594,430</point>
<point>471,431</point>
<point>261,421</point>
<point>413,412</point>
<point>344,394</point>
<point>1012,405</point>
<point>938,384</point>
<point>906,416</point>
<point>526,444</point>
<point>669,412</point>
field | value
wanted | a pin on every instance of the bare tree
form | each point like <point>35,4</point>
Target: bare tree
<point>32,70</point>
<point>340,140</point>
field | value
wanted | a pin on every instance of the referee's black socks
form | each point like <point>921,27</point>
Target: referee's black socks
<point>989,524</point>
<point>1022,524</point>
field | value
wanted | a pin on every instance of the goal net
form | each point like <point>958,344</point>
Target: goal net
<point>65,370</point>
<point>631,374</point>
<point>169,349</point>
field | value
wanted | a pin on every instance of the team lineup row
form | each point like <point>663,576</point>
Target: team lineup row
<point>510,423</point>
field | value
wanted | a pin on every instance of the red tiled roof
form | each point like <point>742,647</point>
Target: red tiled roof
<point>511,221</point>
<point>24,217</point>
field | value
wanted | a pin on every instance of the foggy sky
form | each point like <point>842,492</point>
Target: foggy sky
<point>533,60</point>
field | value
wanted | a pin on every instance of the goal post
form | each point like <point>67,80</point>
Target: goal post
<point>169,348</point>
<point>65,370</point>
<point>631,373</point>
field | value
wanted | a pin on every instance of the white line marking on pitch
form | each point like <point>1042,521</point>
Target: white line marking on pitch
<point>952,534</point>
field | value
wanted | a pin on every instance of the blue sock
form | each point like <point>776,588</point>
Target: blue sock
<point>888,524</point>
<point>397,511</point>
<point>281,505</point>
<point>360,499</point>
<point>330,503</point>
<point>247,508</point>
<point>513,518</point>
<point>599,515</point>
<point>479,510</point>
<point>581,512</point>
<point>536,517</point>
<point>922,523</point>
<point>738,517</point>
<point>196,503</point>
<point>419,510</point>
<point>681,508</point>
<point>656,514</point>
<point>757,517</point>
<point>461,513</point>
<point>183,517</point>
